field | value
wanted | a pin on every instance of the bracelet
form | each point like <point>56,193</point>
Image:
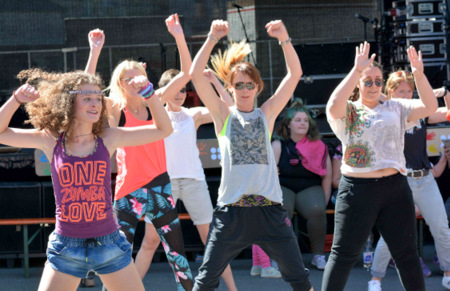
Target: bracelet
<point>213,38</point>
<point>282,43</point>
<point>147,91</point>
<point>17,100</point>
<point>445,91</point>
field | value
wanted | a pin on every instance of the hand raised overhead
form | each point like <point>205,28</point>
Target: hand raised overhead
<point>96,38</point>
<point>276,29</point>
<point>362,60</point>
<point>219,28</point>
<point>174,26</point>
<point>416,61</point>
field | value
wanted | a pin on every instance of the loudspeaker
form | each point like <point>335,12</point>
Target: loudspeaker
<point>19,200</point>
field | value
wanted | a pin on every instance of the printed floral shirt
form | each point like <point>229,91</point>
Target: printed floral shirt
<point>373,139</point>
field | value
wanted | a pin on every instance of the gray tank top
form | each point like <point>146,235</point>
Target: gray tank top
<point>248,163</point>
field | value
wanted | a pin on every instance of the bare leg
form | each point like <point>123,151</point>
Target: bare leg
<point>124,279</point>
<point>227,275</point>
<point>55,280</point>
<point>147,250</point>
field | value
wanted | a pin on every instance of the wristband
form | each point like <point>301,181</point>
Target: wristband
<point>282,43</point>
<point>213,38</point>
<point>17,100</point>
<point>147,91</point>
<point>448,115</point>
<point>445,91</point>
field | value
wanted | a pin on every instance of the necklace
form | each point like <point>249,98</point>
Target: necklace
<point>82,135</point>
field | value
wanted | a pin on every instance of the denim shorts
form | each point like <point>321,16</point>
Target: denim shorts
<point>78,256</point>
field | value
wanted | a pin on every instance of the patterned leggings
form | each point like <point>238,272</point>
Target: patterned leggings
<point>156,202</point>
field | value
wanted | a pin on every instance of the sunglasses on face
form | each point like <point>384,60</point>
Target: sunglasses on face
<point>369,83</point>
<point>242,85</point>
<point>127,80</point>
<point>183,90</point>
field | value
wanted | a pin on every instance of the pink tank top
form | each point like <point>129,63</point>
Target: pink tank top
<point>138,165</point>
<point>82,187</point>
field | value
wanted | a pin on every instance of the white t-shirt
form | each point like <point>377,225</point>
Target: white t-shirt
<point>373,139</point>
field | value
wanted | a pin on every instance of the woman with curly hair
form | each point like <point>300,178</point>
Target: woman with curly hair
<point>69,114</point>
<point>142,184</point>
<point>305,173</point>
<point>249,209</point>
<point>373,190</point>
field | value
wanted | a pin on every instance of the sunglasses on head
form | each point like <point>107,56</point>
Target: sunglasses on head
<point>183,90</point>
<point>242,85</point>
<point>369,83</point>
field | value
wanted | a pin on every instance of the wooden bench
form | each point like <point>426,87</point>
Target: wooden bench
<point>331,211</point>
<point>22,224</point>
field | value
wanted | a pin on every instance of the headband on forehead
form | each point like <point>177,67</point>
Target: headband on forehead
<point>86,92</point>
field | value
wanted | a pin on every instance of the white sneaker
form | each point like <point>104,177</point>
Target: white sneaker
<point>319,262</point>
<point>270,272</point>
<point>374,285</point>
<point>256,271</point>
<point>446,282</point>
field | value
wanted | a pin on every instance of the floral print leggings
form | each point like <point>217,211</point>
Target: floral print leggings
<point>156,202</point>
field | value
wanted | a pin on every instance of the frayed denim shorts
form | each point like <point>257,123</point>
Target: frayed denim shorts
<point>78,256</point>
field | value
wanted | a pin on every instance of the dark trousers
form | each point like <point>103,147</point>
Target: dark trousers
<point>386,203</point>
<point>235,228</point>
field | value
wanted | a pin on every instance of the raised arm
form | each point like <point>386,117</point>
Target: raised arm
<point>223,94</point>
<point>427,104</point>
<point>180,80</point>
<point>441,112</point>
<point>133,136</point>
<point>337,104</point>
<point>217,108</point>
<point>273,106</point>
<point>96,39</point>
<point>27,138</point>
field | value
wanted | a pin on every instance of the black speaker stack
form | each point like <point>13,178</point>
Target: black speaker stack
<point>422,24</point>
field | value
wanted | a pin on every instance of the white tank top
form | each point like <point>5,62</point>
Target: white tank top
<point>182,154</point>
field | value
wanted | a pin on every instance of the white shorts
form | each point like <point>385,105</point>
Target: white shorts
<point>195,197</point>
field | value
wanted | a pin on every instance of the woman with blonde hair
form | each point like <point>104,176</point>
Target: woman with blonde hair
<point>421,176</point>
<point>69,114</point>
<point>249,209</point>
<point>142,183</point>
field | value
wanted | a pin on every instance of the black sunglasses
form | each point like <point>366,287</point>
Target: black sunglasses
<point>369,83</point>
<point>242,85</point>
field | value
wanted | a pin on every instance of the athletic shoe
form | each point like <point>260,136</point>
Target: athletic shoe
<point>446,282</point>
<point>255,271</point>
<point>374,285</point>
<point>270,272</point>
<point>319,262</point>
<point>426,271</point>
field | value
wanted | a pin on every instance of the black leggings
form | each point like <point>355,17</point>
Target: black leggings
<point>386,203</point>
